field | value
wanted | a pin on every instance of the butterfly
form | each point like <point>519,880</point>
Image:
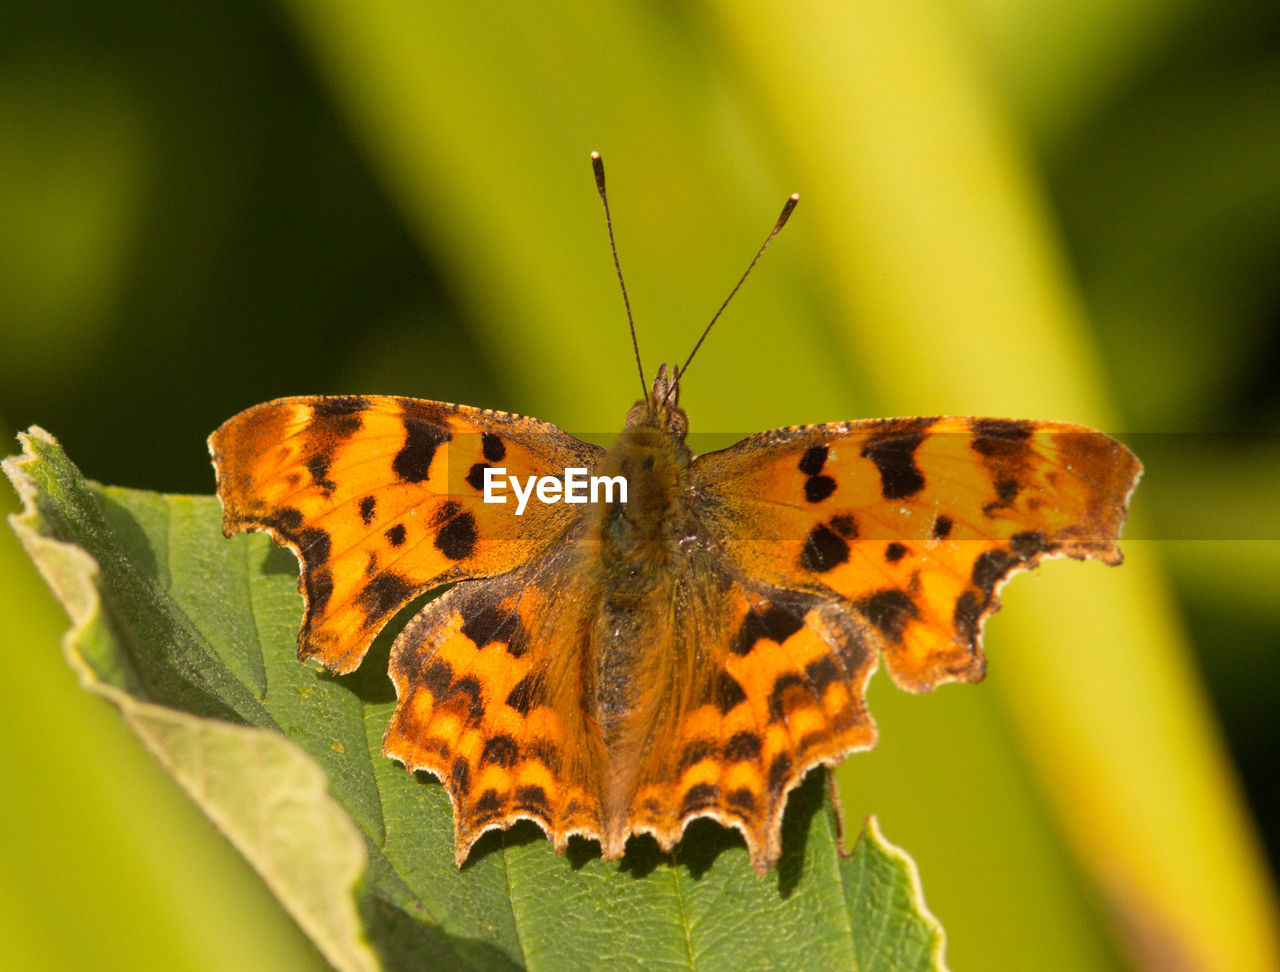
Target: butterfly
<point>637,637</point>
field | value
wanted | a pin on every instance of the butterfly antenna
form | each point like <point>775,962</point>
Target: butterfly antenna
<point>777,228</point>
<point>597,166</point>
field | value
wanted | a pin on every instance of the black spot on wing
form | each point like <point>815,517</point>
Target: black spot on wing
<point>460,775</point>
<point>823,550</point>
<point>475,476</point>
<point>818,488</point>
<point>1006,492</point>
<point>395,536</point>
<point>775,623</point>
<point>496,623</point>
<point>814,738</point>
<point>779,773</point>
<point>314,545</point>
<point>889,610</point>
<point>436,678</point>
<point>383,595</point>
<point>814,458</point>
<point>533,799</point>
<point>336,418</point>
<point>942,525</point>
<point>695,752</point>
<point>368,509</point>
<point>727,693</point>
<point>895,552</point>
<point>318,467</point>
<point>845,525</point>
<point>742,746</point>
<point>319,585</point>
<point>456,539</point>
<point>493,447</point>
<point>893,452</point>
<point>1000,437</point>
<point>545,752</point>
<point>520,697</point>
<point>701,796</point>
<point>489,804</point>
<point>285,521</point>
<point>412,463</point>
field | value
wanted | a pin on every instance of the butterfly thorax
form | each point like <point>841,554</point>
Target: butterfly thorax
<point>639,536</point>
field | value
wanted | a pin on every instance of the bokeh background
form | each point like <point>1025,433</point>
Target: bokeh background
<point>1009,208</point>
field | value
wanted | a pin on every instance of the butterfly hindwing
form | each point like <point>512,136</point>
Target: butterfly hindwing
<point>491,691</point>
<point>916,523</point>
<point>382,498</point>
<point>779,688</point>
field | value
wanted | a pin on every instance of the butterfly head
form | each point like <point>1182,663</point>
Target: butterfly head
<point>661,409</point>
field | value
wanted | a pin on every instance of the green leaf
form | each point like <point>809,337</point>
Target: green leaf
<point>193,637</point>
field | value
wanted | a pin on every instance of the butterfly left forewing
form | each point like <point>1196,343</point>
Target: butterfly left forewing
<point>914,524</point>
<point>382,499</point>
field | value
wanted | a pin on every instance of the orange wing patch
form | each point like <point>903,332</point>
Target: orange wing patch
<point>917,523</point>
<point>381,500</point>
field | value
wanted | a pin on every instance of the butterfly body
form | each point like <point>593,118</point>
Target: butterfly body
<point>620,667</point>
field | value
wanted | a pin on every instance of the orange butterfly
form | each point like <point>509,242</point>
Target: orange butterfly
<point>638,637</point>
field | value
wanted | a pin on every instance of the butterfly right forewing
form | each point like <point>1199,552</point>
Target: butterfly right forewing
<point>915,524</point>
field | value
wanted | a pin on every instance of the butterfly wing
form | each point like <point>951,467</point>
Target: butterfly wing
<point>493,685</point>
<point>381,499</point>
<point>776,684</point>
<point>915,524</point>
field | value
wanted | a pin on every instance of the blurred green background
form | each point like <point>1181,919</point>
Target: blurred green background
<point>1009,208</point>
